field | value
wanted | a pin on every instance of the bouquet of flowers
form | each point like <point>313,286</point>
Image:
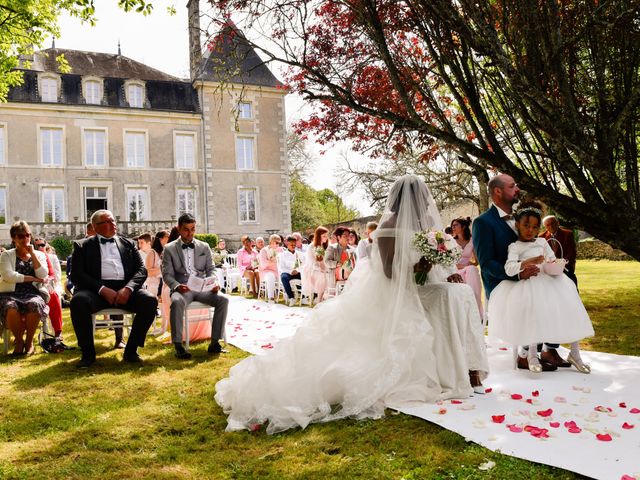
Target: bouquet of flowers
<point>437,248</point>
<point>218,258</point>
<point>271,253</point>
<point>319,251</point>
<point>254,262</point>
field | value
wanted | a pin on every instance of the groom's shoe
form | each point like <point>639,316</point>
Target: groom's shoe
<point>523,364</point>
<point>181,353</point>
<point>215,348</point>
<point>552,356</point>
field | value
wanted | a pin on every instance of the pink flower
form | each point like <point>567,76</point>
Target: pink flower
<point>497,418</point>
<point>604,437</point>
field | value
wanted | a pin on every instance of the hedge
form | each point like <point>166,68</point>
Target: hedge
<point>62,246</point>
<point>210,238</point>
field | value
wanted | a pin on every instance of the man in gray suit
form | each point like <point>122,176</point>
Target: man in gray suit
<point>182,258</point>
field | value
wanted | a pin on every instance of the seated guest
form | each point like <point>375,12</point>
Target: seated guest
<point>564,247</point>
<point>314,276</point>
<point>338,257</point>
<point>23,296</point>
<point>181,259</point>
<point>108,272</point>
<point>220,255</point>
<point>300,245</point>
<point>268,266</point>
<point>467,265</point>
<point>259,244</point>
<point>248,264</point>
<point>54,304</point>
<point>364,247</point>
<point>289,264</point>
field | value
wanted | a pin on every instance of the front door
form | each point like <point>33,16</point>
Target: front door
<point>95,198</point>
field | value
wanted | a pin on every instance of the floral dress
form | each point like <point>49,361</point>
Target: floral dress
<point>25,298</point>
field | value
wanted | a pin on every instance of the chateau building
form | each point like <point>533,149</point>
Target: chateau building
<point>115,133</point>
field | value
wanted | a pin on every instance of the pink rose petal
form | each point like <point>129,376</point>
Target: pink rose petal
<point>604,437</point>
<point>503,348</point>
<point>600,408</point>
<point>554,424</point>
<point>456,402</point>
<point>255,427</point>
<point>627,426</point>
<point>627,477</point>
<point>516,396</point>
<point>634,410</point>
<point>514,428</point>
<point>545,413</point>
<point>570,424</point>
<point>574,430</point>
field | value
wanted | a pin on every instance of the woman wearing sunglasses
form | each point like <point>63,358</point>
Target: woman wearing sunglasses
<point>23,296</point>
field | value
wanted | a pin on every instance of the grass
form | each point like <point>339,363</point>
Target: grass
<point>159,421</point>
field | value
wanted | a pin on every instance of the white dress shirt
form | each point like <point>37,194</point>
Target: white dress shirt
<point>111,262</point>
<point>511,222</point>
<point>189,255</point>
<point>287,261</point>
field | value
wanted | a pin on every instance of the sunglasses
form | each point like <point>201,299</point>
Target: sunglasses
<point>41,245</point>
<point>21,236</point>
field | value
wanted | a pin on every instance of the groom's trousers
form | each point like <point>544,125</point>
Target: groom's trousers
<point>180,302</point>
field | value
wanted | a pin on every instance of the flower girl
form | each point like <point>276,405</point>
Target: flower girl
<point>544,308</point>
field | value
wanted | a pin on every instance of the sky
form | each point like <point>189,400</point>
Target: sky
<point>161,41</point>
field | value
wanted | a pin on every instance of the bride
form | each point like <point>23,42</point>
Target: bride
<point>369,349</point>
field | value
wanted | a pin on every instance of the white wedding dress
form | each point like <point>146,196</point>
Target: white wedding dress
<point>368,349</point>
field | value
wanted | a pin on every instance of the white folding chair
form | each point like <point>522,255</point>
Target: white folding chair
<point>195,318</point>
<point>107,320</point>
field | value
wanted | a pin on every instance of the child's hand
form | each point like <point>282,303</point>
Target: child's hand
<point>533,261</point>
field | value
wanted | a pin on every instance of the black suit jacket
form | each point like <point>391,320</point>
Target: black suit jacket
<point>86,273</point>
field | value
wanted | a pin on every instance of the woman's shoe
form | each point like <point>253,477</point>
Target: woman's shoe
<point>579,364</point>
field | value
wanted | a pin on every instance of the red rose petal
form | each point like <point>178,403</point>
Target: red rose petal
<point>634,410</point>
<point>503,348</point>
<point>529,401</point>
<point>516,396</point>
<point>574,430</point>
<point>545,413</point>
<point>554,424</point>
<point>622,405</point>
<point>627,426</point>
<point>627,477</point>
<point>535,393</point>
<point>604,437</point>
<point>497,418</point>
<point>514,428</point>
<point>570,424</point>
<point>488,390</point>
<point>456,402</point>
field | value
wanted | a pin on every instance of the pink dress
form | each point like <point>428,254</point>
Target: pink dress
<point>314,274</point>
<point>471,275</point>
<point>268,268</point>
<point>245,258</point>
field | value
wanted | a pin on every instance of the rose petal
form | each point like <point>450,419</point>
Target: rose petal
<point>516,396</point>
<point>600,408</point>
<point>627,426</point>
<point>545,413</point>
<point>554,424</point>
<point>622,405</point>
<point>604,437</point>
<point>627,477</point>
<point>535,393</point>
<point>503,348</point>
<point>634,410</point>
<point>456,402</point>
<point>255,427</point>
<point>514,428</point>
<point>560,400</point>
<point>529,401</point>
<point>497,418</point>
<point>488,390</point>
<point>574,430</point>
<point>442,411</point>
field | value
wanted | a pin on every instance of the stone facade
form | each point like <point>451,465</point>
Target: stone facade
<point>117,134</point>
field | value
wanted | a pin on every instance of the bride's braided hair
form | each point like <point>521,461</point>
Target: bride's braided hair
<point>531,208</point>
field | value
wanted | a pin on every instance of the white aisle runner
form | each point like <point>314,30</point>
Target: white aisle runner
<point>589,424</point>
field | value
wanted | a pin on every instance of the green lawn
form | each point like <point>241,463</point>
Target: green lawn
<point>159,421</point>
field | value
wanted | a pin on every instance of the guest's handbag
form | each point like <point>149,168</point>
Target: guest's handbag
<point>348,264</point>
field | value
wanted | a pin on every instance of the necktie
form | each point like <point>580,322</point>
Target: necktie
<point>188,245</point>
<point>106,240</point>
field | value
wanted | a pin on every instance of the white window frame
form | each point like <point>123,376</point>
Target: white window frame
<point>3,193</point>
<point>145,146</point>
<point>63,150</point>
<point>45,78</point>
<point>45,187</point>
<point>84,131</point>
<point>256,202</point>
<point>86,81</point>
<point>190,133</point>
<point>4,143</point>
<point>253,152</point>
<point>95,184</point>
<point>241,111</point>
<point>194,190</point>
<point>135,83</point>
<point>147,208</point>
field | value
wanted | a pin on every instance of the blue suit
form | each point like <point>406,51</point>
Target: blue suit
<point>491,239</point>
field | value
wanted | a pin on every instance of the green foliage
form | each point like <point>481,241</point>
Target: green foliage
<point>25,24</point>
<point>334,208</point>
<point>210,238</point>
<point>63,247</point>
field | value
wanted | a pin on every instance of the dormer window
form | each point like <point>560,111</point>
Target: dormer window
<point>135,95</point>
<point>93,92</point>
<point>49,89</point>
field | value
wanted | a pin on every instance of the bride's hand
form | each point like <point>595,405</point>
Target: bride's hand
<point>455,278</point>
<point>422,266</point>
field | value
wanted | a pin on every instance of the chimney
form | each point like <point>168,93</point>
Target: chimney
<point>195,50</point>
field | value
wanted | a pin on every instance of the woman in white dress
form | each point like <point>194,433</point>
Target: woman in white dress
<point>544,308</point>
<point>368,349</point>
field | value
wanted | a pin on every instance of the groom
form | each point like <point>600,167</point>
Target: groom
<point>493,232</point>
<point>182,258</point>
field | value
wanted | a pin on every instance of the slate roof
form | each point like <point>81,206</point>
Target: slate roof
<point>231,59</point>
<point>163,91</point>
